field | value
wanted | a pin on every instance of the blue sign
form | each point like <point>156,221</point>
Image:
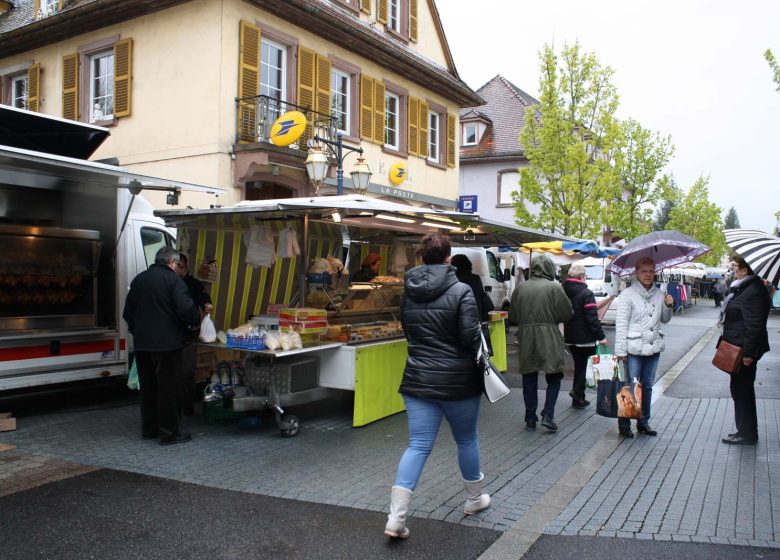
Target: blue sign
<point>467,203</point>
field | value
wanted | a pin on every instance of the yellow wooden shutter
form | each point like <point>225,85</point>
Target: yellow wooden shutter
<point>33,87</point>
<point>451,140</point>
<point>123,76</point>
<point>307,95</point>
<point>366,108</point>
<point>379,113</point>
<point>70,86</point>
<point>413,20</point>
<point>323,85</point>
<point>381,11</point>
<point>423,129</point>
<point>248,80</point>
<point>414,119</point>
<point>365,6</point>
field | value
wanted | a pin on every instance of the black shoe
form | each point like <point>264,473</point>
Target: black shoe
<point>178,438</point>
<point>647,430</point>
<point>151,435</point>
<point>738,440</point>
<point>530,424</point>
<point>549,424</point>
<point>626,432</point>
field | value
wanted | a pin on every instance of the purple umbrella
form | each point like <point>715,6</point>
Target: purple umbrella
<point>667,248</point>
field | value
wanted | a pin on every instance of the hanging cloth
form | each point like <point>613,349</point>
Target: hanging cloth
<point>260,247</point>
<point>399,261</point>
<point>287,246</point>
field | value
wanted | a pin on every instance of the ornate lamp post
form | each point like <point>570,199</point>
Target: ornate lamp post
<point>317,165</point>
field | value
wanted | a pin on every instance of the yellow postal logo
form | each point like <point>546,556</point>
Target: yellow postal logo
<point>288,128</point>
<point>398,173</point>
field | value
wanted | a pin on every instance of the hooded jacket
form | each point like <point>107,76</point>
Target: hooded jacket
<point>640,312</point>
<point>537,307</point>
<point>745,316</point>
<point>584,327</point>
<point>439,317</point>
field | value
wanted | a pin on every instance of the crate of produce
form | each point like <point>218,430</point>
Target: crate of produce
<point>246,342</point>
<point>303,314</point>
<point>214,412</point>
<point>304,326</point>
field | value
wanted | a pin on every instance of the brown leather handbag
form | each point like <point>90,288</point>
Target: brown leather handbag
<point>728,357</point>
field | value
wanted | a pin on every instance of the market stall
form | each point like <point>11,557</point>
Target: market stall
<point>257,257</point>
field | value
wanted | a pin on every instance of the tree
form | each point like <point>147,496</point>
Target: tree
<point>731,221</point>
<point>568,140</point>
<point>670,196</point>
<point>774,66</point>
<point>699,218</point>
<point>640,157</point>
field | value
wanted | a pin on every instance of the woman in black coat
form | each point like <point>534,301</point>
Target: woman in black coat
<point>441,378</point>
<point>743,319</point>
<point>464,273</point>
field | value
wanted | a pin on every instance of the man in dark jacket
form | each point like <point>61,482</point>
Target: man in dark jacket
<point>159,313</point>
<point>582,332</point>
<point>190,352</point>
<point>463,271</point>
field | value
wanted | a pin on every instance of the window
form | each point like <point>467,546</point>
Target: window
<point>493,269</point>
<point>469,134</point>
<point>392,121</point>
<point>595,272</point>
<point>508,183</point>
<point>394,15</point>
<point>101,86</point>
<point>434,129</point>
<point>273,74</point>
<point>153,240</point>
<point>340,100</point>
<point>19,91</point>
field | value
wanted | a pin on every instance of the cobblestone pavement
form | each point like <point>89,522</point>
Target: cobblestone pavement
<point>683,485</point>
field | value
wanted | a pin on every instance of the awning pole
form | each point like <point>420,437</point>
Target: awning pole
<point>305,261</point>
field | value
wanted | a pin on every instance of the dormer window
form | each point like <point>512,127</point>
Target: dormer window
<point>470,137</point>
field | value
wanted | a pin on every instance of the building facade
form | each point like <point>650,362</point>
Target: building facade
<point>190,88</point>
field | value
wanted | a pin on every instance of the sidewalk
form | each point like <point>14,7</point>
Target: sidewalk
<point>583,480</point>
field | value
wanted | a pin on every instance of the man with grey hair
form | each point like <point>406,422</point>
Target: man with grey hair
<point>582,332</point>
<point>159,312</point>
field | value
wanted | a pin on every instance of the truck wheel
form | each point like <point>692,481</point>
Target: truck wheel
<point>290,425</point>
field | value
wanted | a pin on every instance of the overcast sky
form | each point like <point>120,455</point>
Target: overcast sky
<point>693,69</point>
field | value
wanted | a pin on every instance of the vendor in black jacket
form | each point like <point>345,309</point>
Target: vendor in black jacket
<point>160,312</point>
<point>583,331</point>
<point>743,318</point>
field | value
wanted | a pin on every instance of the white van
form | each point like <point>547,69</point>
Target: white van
<point>494,269</point>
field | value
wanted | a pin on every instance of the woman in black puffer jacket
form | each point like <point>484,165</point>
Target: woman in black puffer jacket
<point>441,378</point>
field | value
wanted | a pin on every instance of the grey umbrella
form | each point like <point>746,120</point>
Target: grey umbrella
<point>667,248</point>
<point>760,250</point>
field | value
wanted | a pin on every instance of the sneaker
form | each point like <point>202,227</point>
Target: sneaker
<point>549,424</point>
<point>530,425</point>
<point>178,438</point>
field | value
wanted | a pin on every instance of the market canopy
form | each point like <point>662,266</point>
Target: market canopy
<point>366,218</point>
<point>581,247</point>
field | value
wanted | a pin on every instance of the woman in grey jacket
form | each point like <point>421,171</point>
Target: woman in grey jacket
<point>641,309</point>
<point>441,378</point>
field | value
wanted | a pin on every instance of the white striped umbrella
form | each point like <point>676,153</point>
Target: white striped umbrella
<point>760,250</point>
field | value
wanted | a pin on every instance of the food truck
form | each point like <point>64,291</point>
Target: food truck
<point>74,234</point>
<point>354,342</point>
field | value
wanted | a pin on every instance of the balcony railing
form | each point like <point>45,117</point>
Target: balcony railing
<point>256,116</point>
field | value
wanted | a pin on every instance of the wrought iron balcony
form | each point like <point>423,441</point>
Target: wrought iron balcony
<point>256,116</point>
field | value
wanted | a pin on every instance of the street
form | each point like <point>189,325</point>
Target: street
<point>77,480</point>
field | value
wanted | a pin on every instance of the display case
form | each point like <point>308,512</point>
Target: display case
<point>48,277</point>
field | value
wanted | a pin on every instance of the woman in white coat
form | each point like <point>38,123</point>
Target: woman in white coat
<point>641,309</point>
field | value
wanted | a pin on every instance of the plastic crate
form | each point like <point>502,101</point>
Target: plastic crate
<point>246,342</point>
<point>318,278</point>
<point>214,413</point>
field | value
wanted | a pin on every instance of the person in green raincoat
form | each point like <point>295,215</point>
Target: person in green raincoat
<point>537,307</point>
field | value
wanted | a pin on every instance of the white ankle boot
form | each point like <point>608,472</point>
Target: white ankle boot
<point>399,505</point>
<point>476,501</point>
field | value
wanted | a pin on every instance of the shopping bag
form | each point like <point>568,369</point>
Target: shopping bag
<point>629,400</point>
<point>132,377</point>
<point>607,395</point>
<point>602,365</point>
<point>207,331</point>
<point>495,386</point>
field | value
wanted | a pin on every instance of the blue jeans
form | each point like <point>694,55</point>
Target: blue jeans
<point>424,416</point>
<point>642,368</point>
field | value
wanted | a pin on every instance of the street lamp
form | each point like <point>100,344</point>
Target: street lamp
<point>317,165</point>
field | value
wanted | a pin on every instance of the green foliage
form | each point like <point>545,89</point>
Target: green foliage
<point>641,156</point>
<point>569,140</point>
<point>731,221</point>
<point>696,216</point>
<point>774,66</point>
<point>670,194</point>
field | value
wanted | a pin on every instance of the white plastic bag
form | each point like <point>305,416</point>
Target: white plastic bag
<point>602,365</point>
<point>207,331</point>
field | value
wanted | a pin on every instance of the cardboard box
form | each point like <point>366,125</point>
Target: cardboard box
<point>303,314</point>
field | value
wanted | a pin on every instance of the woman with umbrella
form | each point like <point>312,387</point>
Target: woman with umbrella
<point>743,319</point>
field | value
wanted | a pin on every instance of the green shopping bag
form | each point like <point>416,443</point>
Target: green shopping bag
<point>132,377</point>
